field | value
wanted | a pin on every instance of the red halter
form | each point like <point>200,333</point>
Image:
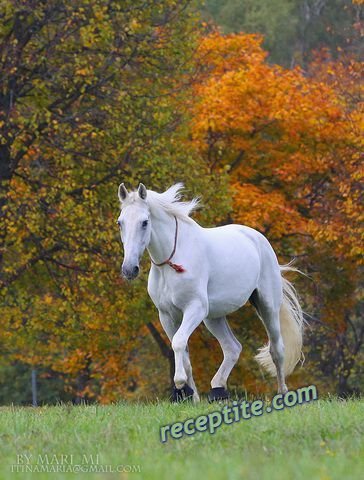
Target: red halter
<point>178,268</point>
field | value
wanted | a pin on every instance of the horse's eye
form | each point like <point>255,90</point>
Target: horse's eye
<point>119,223</point>
<point>145,224</point>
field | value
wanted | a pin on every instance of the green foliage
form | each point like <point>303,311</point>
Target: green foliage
<point>292,29</point>
<point>276,20</point>
<point>15,385</point>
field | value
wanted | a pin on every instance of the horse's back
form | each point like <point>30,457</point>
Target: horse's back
<point>234,238</point>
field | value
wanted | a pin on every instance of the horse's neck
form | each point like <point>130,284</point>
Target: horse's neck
<point>162,238</point>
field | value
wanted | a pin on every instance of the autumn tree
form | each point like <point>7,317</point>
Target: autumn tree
<point>338,216</point>
<point>91,93</point>
<point>291,145</point>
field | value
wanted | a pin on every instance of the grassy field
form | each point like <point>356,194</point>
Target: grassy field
<point>322,440</point>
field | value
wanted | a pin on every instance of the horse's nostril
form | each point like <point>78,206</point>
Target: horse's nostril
<point>136,270</point>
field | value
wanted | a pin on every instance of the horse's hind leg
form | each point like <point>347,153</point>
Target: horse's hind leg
<point>231,348</point>
<point>268,307</point>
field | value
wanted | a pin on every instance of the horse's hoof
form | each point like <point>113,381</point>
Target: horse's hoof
<point>218,393</point>
<point>182,394</point>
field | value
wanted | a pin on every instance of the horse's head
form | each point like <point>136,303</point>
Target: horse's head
<point>135,228</point>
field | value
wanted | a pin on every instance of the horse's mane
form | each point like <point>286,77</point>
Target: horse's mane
<point>170,202</point>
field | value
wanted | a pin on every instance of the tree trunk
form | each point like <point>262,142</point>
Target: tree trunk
<point>5,177</point>
<point>165,349</point>
<point>34,388</point>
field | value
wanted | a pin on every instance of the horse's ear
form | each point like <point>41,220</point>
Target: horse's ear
<point>142,191</point>
<point>122,192</point>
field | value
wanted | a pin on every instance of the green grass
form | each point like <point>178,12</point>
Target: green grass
<point>322,440</point>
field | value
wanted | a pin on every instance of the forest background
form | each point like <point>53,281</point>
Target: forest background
<point>256,106</point>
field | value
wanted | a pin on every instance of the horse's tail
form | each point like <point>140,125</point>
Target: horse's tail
<point>292,323</point>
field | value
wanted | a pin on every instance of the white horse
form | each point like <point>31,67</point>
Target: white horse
<point>214,272</point>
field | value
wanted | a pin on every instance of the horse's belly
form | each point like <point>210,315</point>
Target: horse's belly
<point>227,297</point>
<point>222,304</point>
<point>234,272</point>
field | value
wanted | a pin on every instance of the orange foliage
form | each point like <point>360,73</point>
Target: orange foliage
<point>291,142</point>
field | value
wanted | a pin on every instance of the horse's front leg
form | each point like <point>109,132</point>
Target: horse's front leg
<point>231,348</point>
<point>193,315</point>
<point>170,326</point>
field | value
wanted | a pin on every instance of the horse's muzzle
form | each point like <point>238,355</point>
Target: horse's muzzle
<point>130,272</point>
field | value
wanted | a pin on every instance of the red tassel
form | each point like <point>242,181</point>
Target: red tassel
<point>178,268</point>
